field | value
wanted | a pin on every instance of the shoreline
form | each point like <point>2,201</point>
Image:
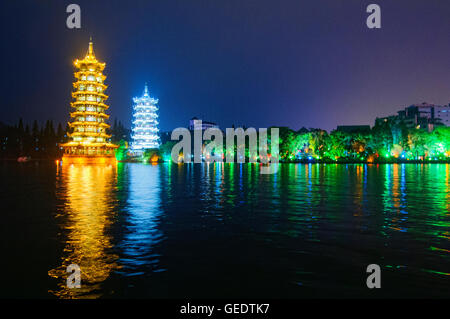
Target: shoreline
<point>281,162</point>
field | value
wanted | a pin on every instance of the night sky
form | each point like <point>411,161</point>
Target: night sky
<point>255,63</point>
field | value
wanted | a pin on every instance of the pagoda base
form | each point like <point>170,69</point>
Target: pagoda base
<point>89,159</point>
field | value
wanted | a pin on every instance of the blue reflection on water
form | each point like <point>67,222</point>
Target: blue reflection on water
<point>142,212</point>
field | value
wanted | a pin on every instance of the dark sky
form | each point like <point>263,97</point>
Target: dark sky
<point>258,63</point>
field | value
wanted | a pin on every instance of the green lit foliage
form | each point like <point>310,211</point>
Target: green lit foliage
<point>336,147</point>
<point>151,155</point>
<point>439,142</point>
<point>417,140</point>
<point>301,144</point>
<point>287,141</point>
<point>165,150</point>
<point>121,151</point>
<point>387,141</point>
<point>318,141</point>
<point>381,139</point>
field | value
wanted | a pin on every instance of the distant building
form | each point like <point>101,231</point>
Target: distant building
<point>353,128</point>
<point>443,114</point>
<point>205,124</point>
<point>424,116</point>
<point>418,115</point>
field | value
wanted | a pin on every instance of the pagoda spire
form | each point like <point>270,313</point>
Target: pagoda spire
<point>90,53</point>
<point>146,89</point>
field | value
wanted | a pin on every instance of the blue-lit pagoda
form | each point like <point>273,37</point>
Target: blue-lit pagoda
<point>145,132</point>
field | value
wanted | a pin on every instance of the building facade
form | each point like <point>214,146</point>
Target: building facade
<point>443,114</point>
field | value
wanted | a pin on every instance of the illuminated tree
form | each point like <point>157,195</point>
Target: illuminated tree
<point>418,143</point>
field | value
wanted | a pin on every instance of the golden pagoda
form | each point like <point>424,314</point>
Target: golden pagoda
<point>88,139</point>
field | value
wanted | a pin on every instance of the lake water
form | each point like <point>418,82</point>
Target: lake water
<point>224,230</point>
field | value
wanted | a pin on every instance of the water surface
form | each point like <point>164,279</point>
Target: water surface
<point>225,230</point>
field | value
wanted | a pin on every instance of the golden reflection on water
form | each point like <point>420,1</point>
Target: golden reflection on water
<point>85,217</point>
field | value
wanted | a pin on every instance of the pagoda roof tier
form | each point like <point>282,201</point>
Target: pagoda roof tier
<point>87,83</point>
<point>91,105</point>
<point>78,74</point>
<point>84,65</point>
<point>83,113</point>
<point>92,144</point>
<point>89,134</point>
<point>89,60</point>
<point>95,93</point>
<point>87,103</point>
<point>92,66</point>
<point>88,124</point>
<point>143,100</point>
<point>145,120</point>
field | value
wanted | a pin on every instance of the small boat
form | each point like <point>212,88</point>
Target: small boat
<point>23,159</point>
